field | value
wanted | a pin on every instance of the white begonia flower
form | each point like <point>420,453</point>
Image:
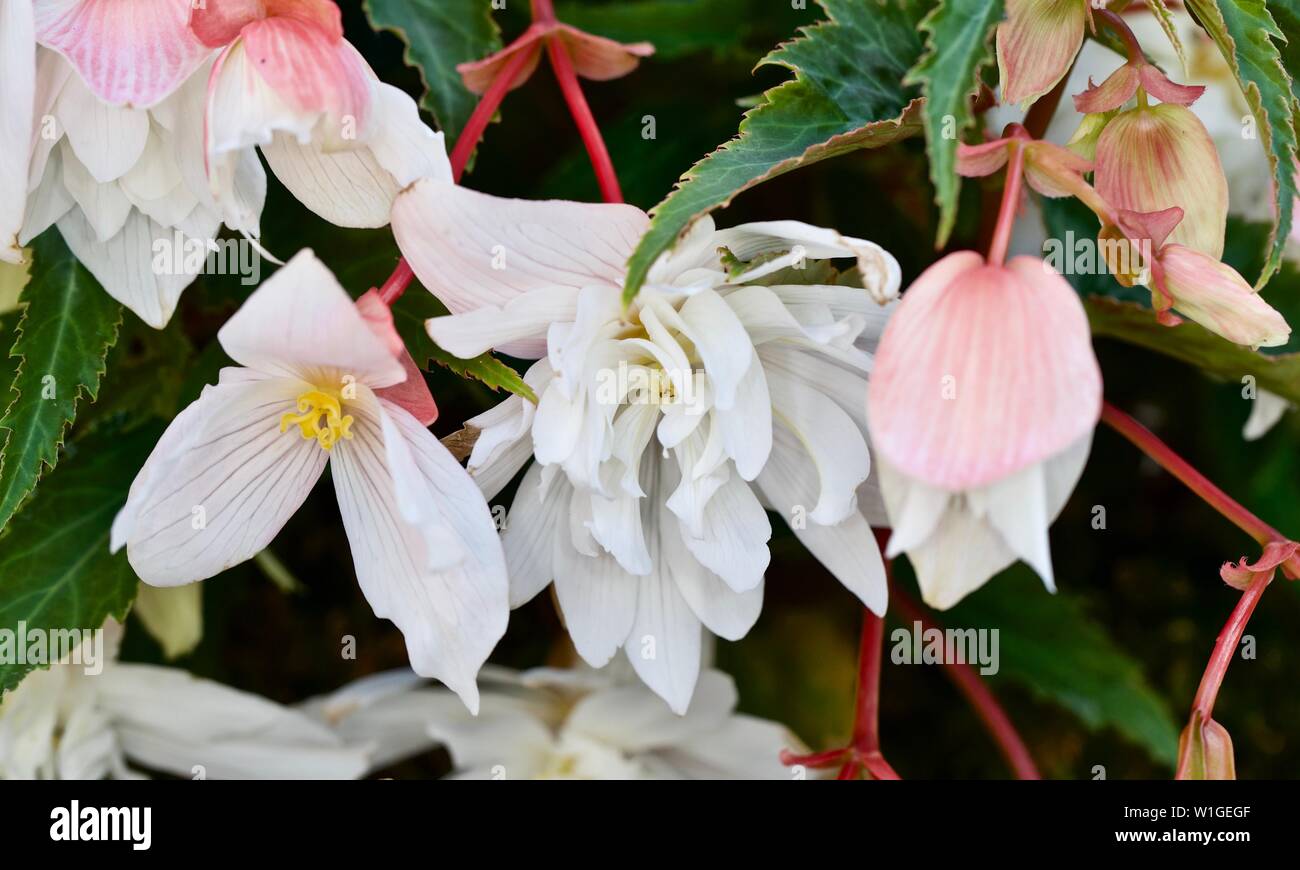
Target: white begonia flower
<point>69,723</point>
<point>664,430</point>
<point>325,378</point>
<point>558,724</point>
<point>110,97</point>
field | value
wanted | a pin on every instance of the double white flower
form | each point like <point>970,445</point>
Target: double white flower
<point>662,431</point>
<point>324,378</point>
<point>66,723</point>
<point>560,724</point>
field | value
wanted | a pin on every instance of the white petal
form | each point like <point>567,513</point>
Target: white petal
<point>170,721</point>
<point>48,202</point>
<point>529,537</point>
<point>300,321</point>
<point>107,139</point>
<point>347,188</point>
<point>402,143</point>
<point>399,490</point>
<point>634,719</point>
<point>880,272</point>
<point>832,439</point>
<point>735,535</point>
<point>598,599</point>
<point>220,484</point>
<point>1266,409</point>
<point>519,326</point>
<point>104,206</point>
<point>747,427</point>
<point>847,549</point>
<point>17,103</point>
<point>721,341</point>
<point>664,643</point>
<point>470,249</point>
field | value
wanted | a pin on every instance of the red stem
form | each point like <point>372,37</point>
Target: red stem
<point>1225,647</point>
<point>397,282</point>
<point>484,112</point>
<point>1010,204</point>
<point>986,706</point>
<point>1146,441</point>
<point>1121,28</point>
<point>587,126</point>
<point>866,717</point>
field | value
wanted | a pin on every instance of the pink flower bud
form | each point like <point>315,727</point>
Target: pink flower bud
<point>1215,296</point>
<point>1205,751</point>
<point>1156,157</point>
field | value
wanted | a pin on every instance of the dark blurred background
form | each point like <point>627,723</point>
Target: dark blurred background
<point>1101,674</point>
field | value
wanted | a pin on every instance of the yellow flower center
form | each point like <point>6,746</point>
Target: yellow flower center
<point>320,416</point>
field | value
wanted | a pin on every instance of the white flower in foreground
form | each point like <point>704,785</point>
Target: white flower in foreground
<point>342,142</point>
<point>111,103</point>
<point>664,430</point>
<point>323,379</point>
<point>66,723</point>
<point>556,724</point>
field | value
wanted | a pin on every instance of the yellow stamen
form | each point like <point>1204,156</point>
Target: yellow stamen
<point>320,416</point>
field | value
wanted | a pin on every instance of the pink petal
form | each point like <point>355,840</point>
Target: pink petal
<point>413,393</point>
<point>1154,226</point>
<point>310,69</point>
<point>601,59</point>
<point>129,53</point>
<point>1118,88</point>
<point>1215,296</point>
<point>479,75</point>
<point>982,371</point>
<point>1241,575</point>
<point>1166,91</point>
<point>1036,45</point>
<point>976,161</point>
<point>217,23</point>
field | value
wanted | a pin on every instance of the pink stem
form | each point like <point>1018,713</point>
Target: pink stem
<point>1121,28</point>
<point>1148,443</point>
<point>1225,647</point>
<point>1010,204</point>
<point>986,706</point>
<point>587,126</point>
<point>397,282</point>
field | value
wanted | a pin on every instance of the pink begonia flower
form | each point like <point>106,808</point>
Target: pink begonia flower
<point>1122,85</point>
<point>323,378</point>
<point>1153,158</point>
<point>70,722</point>
<point>111,97</point>
<point>1198,286</point>
<point>662,430</point>
<point>342,142</point>
<point>982,403</point>
<point>1037,44</point>
<point>594,57</point>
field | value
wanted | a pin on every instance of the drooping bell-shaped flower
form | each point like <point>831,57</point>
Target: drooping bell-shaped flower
<point>1037,44</point>
<point>1195,285</point>
<point>343,142</point>
<point>1152,158</point>
<point>982,402</point>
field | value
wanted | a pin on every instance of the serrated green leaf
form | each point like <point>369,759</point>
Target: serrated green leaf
<point>409,314</point>
<point>54,560</point>
<point>66,330</point>
<point>959,45</point>
<point>846,95</point>
<point>1287,15</point>
<point>1245,32</point>
<point>1049,644</point>
<point>439,34</point>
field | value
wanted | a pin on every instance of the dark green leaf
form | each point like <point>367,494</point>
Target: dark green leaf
<point>54,559</point>
<point>439,34</point>
<point>65,333</point>
<point>959,45</point>
<point>1049,644</point>
<point>846,95</point>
